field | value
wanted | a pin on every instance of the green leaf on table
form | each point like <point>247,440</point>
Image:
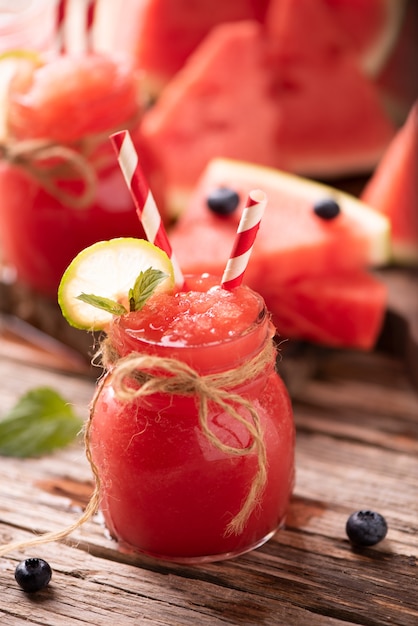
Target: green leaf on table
<point>40,422</point>
<point>144,287</point>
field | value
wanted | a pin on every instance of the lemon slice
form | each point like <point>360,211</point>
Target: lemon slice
<point>108,269</point>
<point>12,62</point>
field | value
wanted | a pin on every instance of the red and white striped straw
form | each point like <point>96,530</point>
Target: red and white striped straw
<point>145,205</point>
<point>244,240</point>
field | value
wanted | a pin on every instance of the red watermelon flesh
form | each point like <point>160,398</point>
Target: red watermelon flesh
<point>305,29</point>
<point>297,257</point>
<point>292,241</point>
<point>170,30</point>
<point>369,28</point>
<point>238,97</point>
<point>342,310</point>
<point>393,190</point>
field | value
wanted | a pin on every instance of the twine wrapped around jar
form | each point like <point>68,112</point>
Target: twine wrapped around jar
<point>50,162</point>
<point>153,374</point>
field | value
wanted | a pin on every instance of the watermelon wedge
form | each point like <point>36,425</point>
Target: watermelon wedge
<point>393,190</point>
<point>371,27</point>
<point>170,30</point>
<point>300,263</point>
<point>342,310</point>
<point>241,96</point>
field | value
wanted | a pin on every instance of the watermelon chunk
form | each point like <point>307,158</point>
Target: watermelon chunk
<point>342,310</point>
<point>393,190</point>
<point>299,260</point>
<point>240,96</point>
<point>170,30</point>
<point>371,26</point>
<point>356,238</point>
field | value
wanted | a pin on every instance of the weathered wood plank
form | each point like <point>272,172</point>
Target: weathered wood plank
<point>86,589</point>
<point>356,447</point>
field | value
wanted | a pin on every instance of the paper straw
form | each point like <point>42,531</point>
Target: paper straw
<point>146,208</point>
<point>75,26</point>
<point>244,240</point>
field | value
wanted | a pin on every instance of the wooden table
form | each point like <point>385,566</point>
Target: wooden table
<point>357,447</point>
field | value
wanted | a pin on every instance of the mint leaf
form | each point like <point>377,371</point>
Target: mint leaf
<point>111,306</point>
<point>144,287</point>
<point>40,422</point>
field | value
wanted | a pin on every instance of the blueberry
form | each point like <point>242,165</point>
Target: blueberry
<point>223,200</point>
<point>33,574</point>
<point>327,209</point>
<point>366,528</point>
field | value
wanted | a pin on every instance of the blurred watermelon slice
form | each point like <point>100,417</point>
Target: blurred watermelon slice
<point>240,96</point>
<point>369,28</point>
<point>169,31</point>
<point>301,264</point>
<point>393,190</point>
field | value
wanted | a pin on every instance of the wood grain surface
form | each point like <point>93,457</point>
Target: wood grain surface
<point>357,443</point>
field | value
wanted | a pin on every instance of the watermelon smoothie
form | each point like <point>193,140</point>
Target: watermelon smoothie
<point>170,487</point>
<point>60,187</point>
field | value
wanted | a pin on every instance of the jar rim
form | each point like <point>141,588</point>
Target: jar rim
<point>205,356</point>
<point>260,319</point>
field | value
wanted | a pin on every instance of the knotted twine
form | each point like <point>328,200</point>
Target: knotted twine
<point>49,162</point>
<point>159,375</point>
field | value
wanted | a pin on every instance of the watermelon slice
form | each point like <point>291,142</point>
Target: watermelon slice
<point>342,310</point>
<point>300,263</point>
<point>241,96</point>
<point>311,245</point>
<point>170,30</point>
<point>393,190</point>
<point>371,28</point>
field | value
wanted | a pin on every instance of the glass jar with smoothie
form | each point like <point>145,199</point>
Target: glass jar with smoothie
<point>191,434</point>
<point>60,187</point>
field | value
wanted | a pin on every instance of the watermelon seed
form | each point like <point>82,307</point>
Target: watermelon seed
<point>223,201</point>
<point>327,209</point>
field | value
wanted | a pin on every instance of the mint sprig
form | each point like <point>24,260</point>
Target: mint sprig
<point>109,305</point>
<point>41,421</point>
<point>145,285</point>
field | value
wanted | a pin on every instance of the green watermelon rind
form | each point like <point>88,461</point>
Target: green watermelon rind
<point>374,59</point>
<point>375,224</point>
<point>404,254</point>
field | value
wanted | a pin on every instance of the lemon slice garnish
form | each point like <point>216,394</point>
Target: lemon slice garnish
<point>109,269</point>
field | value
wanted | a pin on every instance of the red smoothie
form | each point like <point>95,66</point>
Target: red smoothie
<point>168,488</point>
<point>61,187</point>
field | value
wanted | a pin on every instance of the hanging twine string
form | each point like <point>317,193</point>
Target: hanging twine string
<point>49,162</point>
<point>177,378</point>
<point>157,375</point>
